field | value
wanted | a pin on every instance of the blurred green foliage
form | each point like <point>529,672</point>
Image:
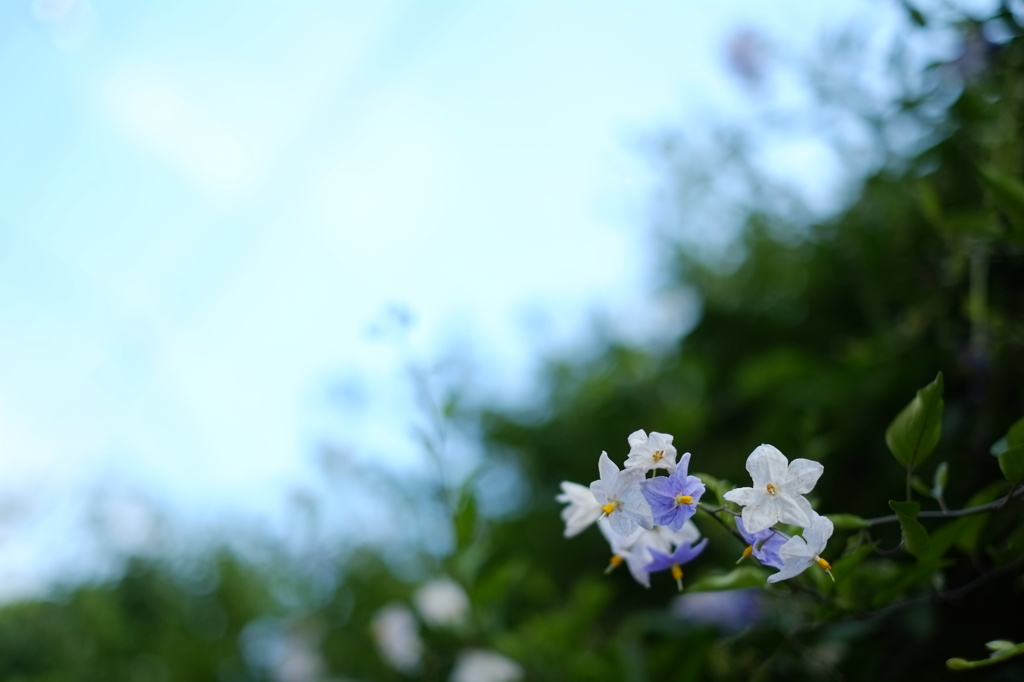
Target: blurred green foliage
<point>813,335</point>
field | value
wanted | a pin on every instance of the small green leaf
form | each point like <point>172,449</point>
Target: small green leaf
<point>999,645</point>
<point>848,521</point>
<point>969,538</point>
<point>1011,463</point>
<point>915,432</point>
<point>1008,192</point>
<point>715,486</point>
<point>916,16</point>
<point>943,537</point>
<point>928,200</point>
<point>917,484</point>
<point>940,479</point>
<point>999,447</point>
<point>957,664</point>
<point>915,537</point>
<point>744,576</point>
<point>1015,435</point>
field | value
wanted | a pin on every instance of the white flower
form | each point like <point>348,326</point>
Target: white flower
<point>635,549</point>
<point>800,553</point>
<point>442,602</point>
<point>618,493</point>
<point>478,665</point>
<point>777,494</point>
<point>583,508</point>
<point>651,452</point>
<point>688,534</point>
<point>632,549</point>
<point>397,637</point>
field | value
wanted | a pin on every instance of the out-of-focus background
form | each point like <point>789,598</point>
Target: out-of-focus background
<point>306,308</point>
<point>228,230</point>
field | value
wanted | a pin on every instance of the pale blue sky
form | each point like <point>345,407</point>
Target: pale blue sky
<point>205,206</point>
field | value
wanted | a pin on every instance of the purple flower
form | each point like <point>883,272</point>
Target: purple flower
<point>763,545</point>
<point>683,553</point>
<point>674,498</point>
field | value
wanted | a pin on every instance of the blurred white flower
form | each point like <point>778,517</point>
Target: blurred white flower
<point>582,509</point>
<point>301,660</point>
<point>397,636</point>
<point>442,603</point>
<point>477,665</point>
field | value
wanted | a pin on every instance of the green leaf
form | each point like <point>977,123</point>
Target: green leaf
<point>999,447</point>
<point>917,484</point>
<point>1015,435</point>
<point>848,521</point>
<point>915,432</point>
<point>915,537</point>
<point>466,519</point>
<point>1011,463</point>
<point>715,486</point>
<point>915,15</point>
<point>939,481</point>
<point>744,576</point>
<point>1008,192</point>
<point>969,536</point>
<point>1010,451</point>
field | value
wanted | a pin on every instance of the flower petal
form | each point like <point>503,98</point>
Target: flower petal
<point>793,509</point>
<point>682,465</point>
<point>742,496</point>
<point>802,475</point>
<point>766,465</point>
<point>818,532</point>
<point>637,438</point>
<point>759,516</point>
<point>621,523</point>
<point>609,472</point>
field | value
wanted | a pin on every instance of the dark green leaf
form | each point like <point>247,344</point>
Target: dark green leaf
<point>847,521</point>
<point>1008,192</point>
<point>917,484</point>
<point>915,432</point>
<point>915,537</point>
<point>1015,434</point>
<point>1011,463</point>
<point>970,527</point>
<point>939,481</point>
<point>716,487</point>
<point>744,576</point>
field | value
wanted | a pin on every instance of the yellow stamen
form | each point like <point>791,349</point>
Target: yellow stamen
<point>613,563</point>
<point>677,573</point>
<point>746,553</point>
<point>770,488</point>
<point>658,455</point>
<point>608,508</point>
<point>683,499</point>
<point>825,566</point>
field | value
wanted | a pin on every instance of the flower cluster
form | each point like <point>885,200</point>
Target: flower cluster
<point>646,517</point>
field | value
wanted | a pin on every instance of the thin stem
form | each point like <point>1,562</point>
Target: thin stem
<point>970,511</point>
